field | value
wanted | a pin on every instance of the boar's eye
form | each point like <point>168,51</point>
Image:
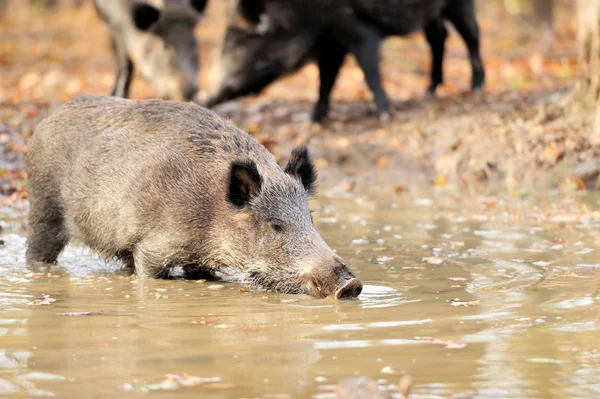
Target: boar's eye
<point>277,227</point>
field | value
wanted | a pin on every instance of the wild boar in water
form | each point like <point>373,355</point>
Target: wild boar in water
<point>159,184</point>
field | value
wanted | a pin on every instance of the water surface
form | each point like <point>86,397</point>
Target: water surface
<point>474,298</point>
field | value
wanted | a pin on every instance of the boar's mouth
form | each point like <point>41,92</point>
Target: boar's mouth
<point>349,287</point>
<point>255,86</point>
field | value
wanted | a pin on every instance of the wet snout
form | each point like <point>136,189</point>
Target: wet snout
<point>332,278</point>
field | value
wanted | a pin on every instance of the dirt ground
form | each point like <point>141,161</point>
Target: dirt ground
<point>501,138</point>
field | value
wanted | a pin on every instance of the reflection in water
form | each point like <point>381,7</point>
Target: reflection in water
<point>474,298</point>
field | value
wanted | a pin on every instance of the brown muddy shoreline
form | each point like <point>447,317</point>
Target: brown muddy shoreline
<point>476,142</point>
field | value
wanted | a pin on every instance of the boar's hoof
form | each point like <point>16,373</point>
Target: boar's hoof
<point>384,117</point>
<point>351,289</point>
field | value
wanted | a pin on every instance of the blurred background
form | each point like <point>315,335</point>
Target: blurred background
<point>52,50</point>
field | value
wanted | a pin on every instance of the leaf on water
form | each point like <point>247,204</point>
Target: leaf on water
<point>41,275</point>
<point>434,260</point>
<point>447,343</point>
<point>573,274</point>
<point>456,302</point>
<point>175,381</point>
<point>253,328</point>
<point>80,313</point>
<point>44,301</point>
<point>541,263</point>
<point>457,278</point>
<point>390,370</point>
<point>204,320</point>
<point>544,360</point>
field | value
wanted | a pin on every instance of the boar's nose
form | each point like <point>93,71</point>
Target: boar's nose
<point>189,92</point>
<point>337,280</point>
<point>351,289</point>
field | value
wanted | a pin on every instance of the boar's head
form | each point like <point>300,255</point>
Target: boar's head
<point>167,53</point>
<point>259,46</point>
<point>271,234</point>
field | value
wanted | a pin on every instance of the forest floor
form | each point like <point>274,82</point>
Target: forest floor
<point>500,138</point>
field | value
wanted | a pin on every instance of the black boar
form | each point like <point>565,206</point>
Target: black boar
<point>159,42</point>
<point>267,39</point>
<point>159,184</point>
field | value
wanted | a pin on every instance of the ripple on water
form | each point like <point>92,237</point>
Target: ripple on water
<point>377,296</point>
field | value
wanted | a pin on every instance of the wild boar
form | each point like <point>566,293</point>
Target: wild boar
<point>267,39</point>
<point>160,184</point>
<point>159,42</point>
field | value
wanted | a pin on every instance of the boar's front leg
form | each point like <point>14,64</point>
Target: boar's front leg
<point>331,59</point>
<point>366,51</point>
<point>124,69</point>
<point>436,34</point>
<point>149,263</point>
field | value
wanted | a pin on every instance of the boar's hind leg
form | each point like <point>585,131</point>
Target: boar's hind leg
<point>436,34</point>
<point>124,70</point>
<point>330,61</point>
<point>366,51</point>
<point>463,18</point>
<point>48,235</point>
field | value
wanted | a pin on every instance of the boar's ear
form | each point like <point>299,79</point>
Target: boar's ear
<point>301,166</point>
<point>252,10</point>
<point>144,15</point>
<point>244,183</point>
<point>198,5</point>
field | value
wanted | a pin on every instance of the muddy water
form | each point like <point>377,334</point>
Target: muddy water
<point>478,298</point>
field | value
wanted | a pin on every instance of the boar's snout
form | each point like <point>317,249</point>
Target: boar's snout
<point>325,280</point>
<point>190,92</point>
<point>351,289</point>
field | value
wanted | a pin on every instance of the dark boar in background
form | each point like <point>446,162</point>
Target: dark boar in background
<point>159,184</point>
<point>267,39</point>
<point>158,41</point>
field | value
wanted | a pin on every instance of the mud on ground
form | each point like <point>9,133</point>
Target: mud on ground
<point>501,138</point>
